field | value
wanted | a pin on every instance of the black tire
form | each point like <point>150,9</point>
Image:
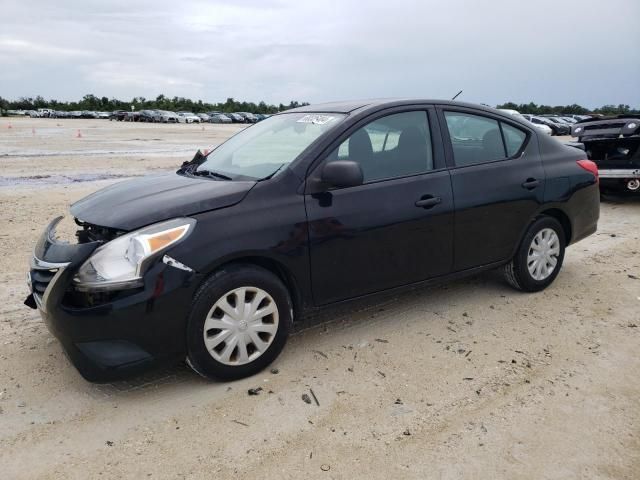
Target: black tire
<point>214,288</point>
<point>516,271</point>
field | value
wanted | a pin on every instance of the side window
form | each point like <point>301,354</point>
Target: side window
<point>513,138</point>
<point>394,146</point>
<point>474,139</point>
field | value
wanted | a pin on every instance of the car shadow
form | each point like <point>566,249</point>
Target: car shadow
<point>620,198</point>
<point>362,314</point>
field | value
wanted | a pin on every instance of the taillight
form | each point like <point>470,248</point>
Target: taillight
<point>590,166</point>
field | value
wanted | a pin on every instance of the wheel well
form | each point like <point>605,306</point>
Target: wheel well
<point>563,219</point>
<point>279,271</point>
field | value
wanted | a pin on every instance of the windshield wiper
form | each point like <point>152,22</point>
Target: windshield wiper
<point>272,173</point>
<point>210,173</point>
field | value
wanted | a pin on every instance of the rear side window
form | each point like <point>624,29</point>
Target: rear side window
<point>478,139</point>
<point>513,138</point>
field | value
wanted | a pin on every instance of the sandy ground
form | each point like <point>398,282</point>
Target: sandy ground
<point>466,380</point>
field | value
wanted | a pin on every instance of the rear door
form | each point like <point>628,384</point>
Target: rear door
<point>397,227</point>
<point>498,183</point>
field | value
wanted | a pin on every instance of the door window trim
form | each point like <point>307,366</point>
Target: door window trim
<point>448,146</point>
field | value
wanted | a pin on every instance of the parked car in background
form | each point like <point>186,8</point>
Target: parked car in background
<point>150,116</point>
<point>556,129</point>
<point>118,115</point>
<point>583,117</point>
<point>248,117</point>
<point>203,117</point>
<point>103,115</point>
<point>314,206</point>
<point>540,126</point>
<point>219,118</point>
<point>189,117</point>
<point>46,112</point>
<point>563,128</point>
<point>168,117</point>
<point>132,117</point>
<point>236,118</point>
<point>613,143</point>
<point>569,120</point>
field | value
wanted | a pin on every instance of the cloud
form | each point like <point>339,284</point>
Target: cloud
<point>27,49</point>
<point>278,50</point>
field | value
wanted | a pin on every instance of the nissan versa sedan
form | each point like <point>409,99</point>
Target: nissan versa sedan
<point>314,206</point>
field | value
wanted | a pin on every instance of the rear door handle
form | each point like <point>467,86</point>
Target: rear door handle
<point>531,183</point>
<point>428,202</point>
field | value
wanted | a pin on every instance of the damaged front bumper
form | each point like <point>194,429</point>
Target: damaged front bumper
<point>110,335</point>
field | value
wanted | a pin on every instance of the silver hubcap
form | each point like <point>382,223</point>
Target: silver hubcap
<point>543,254</point>
<point>241,325</point>
<point>633,184</point>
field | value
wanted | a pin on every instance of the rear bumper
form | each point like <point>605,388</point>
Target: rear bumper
<point>114,336</point>
<point>619,173</point>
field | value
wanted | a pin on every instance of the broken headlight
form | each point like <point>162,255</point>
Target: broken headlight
<point>121,262</point>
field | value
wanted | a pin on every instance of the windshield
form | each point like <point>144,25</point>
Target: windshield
<point>268,146</point>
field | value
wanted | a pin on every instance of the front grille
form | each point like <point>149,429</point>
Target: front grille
<point>605,126</point>
<point>40,279</point>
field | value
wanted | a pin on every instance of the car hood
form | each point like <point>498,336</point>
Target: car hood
<point>135,203</point>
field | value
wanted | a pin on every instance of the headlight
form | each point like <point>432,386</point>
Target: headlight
<point>122,262</point>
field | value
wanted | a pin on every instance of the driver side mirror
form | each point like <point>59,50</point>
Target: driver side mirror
<point>342,173</point>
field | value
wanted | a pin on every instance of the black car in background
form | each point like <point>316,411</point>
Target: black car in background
<point>152,116</point>
<point>613,143</point>
<point>118,115</point>
<point>308,208</point>
<point>236,117</point>
<point>248,117</point>
<point>556,128</point>
<point>563,127</point>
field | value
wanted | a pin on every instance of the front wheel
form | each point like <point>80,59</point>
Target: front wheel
<point>539,257</point>
<point>239,322</point>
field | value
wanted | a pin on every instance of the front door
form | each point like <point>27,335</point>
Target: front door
<point>394,229</point>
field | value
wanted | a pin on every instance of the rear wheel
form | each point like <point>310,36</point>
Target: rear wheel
<point>239,322</point>
<point>539,258</point>
<point>633,185</point>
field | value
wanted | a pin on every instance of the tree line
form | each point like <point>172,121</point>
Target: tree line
<point>535,109</point>
<point>161,102</point>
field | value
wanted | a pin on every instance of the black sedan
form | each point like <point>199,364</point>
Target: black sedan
<point>311,207</point>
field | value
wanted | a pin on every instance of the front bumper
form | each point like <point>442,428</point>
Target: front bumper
<point>110,336</point>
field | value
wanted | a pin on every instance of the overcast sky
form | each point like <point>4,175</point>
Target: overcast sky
<point>546,51</point>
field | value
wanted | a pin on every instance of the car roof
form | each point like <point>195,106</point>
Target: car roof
<point>350,106</point>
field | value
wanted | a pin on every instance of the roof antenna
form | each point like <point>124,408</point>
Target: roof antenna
<point>457,94</point>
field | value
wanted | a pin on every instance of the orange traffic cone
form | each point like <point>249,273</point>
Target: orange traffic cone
<point>78,135</point>
<point>33,131</point>
<point>206,152</point>
<point>9,126</point>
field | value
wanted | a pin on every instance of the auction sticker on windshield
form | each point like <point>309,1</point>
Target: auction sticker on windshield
<point>316,119</point>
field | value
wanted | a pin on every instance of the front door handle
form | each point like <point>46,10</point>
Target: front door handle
<point>428,202</point>
<point>531,183</point>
